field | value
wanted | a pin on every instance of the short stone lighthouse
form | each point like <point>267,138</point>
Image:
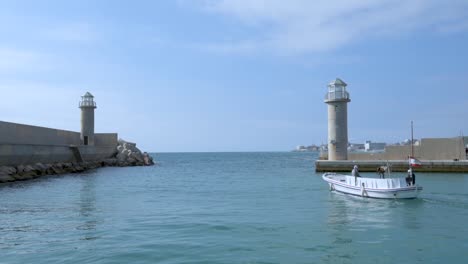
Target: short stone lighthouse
<point>87,106</point>
<point>337,99</point>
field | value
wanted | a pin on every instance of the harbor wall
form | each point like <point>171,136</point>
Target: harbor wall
<point>12,133</point>
<point>436,155</point>
<point>395,165</point>
<point>25,144</point>
<point>428,149</point>
<point>105,139</point>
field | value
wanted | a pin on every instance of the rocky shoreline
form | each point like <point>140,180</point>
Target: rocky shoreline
<point>127,154</point>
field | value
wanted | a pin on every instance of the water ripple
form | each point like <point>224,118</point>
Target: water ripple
<point>226,208</point>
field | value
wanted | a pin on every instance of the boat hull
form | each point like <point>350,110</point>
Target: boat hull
<point>339,183</point>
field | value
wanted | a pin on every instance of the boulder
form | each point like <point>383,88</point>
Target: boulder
<point>7,170</point>
<point>30,171</point>
<point>57,168</point>
<point>25,172</point>
<point>6,178</point>
<point>147,159</point>
<point>77,167</point>
<point>19,168</point>
<point>68,167</point>
<point>110,162</point>
<point>121,157</point>
<point>50,169</point>
<point>129,154</point>
<point>6,174</point>
<point>22,177</point>
<point>132,161</point>
<point>94,164</point>
<point>136,156</point>
<point>40,168</point>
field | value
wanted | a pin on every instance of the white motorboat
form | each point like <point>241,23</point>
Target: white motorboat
<point>372,187</point>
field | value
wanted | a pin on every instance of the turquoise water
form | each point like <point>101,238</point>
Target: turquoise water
<point>227,208</point>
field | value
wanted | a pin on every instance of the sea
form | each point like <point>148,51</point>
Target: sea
<point>267,207</point>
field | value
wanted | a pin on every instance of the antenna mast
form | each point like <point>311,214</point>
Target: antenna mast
<point>412,146</point>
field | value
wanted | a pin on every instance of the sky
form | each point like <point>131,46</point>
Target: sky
<point>236,75</point>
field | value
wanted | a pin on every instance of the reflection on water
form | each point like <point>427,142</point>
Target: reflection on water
<point>357,213</point>
<point>87,209</point>
<point>350,214</point>
<point>37,212</point>
<point>354,223</point>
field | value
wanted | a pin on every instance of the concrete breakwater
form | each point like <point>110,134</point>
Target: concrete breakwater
<point>395,165</point>
<point>126,154</point>
<point>28,152</point>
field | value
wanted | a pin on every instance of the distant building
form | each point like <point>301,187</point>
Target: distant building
<point>407,142</point>
<point>301,148</point>
<point>313,148</point>
<point>374,146</point>
<point>355,147</point>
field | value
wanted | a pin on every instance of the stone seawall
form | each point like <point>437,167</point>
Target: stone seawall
<point>125,154</point>
<point>26,154</point>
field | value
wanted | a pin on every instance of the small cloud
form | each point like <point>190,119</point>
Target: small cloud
<point>302,26</point>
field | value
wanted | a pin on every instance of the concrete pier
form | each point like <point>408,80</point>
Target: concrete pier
<point>395,165</point>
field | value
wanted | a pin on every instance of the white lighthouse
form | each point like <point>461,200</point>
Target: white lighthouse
<point>87,106</point>
<point>337,100</point>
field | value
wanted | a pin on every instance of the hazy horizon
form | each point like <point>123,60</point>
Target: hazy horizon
<point>236,75</point>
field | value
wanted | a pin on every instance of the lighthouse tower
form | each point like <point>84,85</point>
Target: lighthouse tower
<point>87,106</point>
<point>337,100</point>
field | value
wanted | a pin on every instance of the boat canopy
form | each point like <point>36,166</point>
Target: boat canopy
<point>390,183</point>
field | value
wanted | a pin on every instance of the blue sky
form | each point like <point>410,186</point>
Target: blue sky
<point>236,75</point>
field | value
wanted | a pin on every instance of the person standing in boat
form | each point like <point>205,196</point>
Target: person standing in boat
<point>411,178</point>
<point>355,173</point>
<point>381,171</point>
